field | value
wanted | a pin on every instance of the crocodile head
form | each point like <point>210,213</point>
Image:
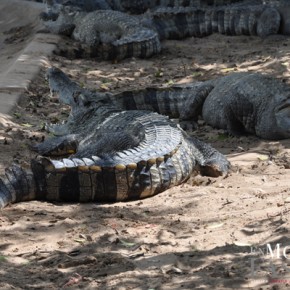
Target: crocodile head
<point>81,101</point>
<point>60,85</point>
<point>70,93</point>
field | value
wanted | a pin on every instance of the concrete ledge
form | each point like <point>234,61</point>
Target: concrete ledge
<point>25,68</point>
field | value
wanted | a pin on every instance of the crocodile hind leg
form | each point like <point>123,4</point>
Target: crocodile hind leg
<point>211,162</point>
<point>58,146</point>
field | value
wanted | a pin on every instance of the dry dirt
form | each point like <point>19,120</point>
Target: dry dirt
<point>206,234</point>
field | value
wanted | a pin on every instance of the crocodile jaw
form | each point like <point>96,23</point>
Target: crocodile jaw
<point>62,87</point>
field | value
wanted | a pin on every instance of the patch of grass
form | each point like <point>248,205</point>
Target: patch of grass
<point>222,136</point>
<point>3,259</point>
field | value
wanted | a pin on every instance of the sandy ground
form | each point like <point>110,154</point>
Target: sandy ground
<point>206,234</point>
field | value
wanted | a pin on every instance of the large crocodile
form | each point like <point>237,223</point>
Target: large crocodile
<point>113,155</point>
<point>239,103</point>
<point>141,6</point>
<point>106,34</point>
<point>249,103</point>
<point>172,23</point>
<point>116,35</point>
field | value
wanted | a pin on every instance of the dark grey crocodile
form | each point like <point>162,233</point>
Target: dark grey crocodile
<point>172,23</point>
<point>239,103</point>
<point>106,34</point>
<point>231,17</point>
<point>249,103</point>
<point>53,7</point>
<point>113,155</point>
<point>116,35</point>
<point>140,6</point>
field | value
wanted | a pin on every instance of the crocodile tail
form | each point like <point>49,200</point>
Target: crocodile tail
<point>179,23</point>
<point>81,180</point>
<point>17,185</point>
<point>269,22</point>
<point>178,101</point>
<point>172,23</point>
<point>258,20</point>
<point>143,44</point>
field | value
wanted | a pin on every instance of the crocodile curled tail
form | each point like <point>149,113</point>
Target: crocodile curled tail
<point>113,154</point>
<point>80,180</point>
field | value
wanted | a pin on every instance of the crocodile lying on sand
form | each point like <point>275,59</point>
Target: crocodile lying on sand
<point>106,34</point>
<point>116,35</point>
<point>113,155</point>
<point>239,103</point>
<point>249,103</point>
<point>172,23</point>
<point>54,7</point>
<point>141,6</point>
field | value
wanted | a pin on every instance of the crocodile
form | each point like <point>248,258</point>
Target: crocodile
<point>227,7</point>
<point>54,7</point>
<point>249,103</point>
<point>115,35</point>
<point>172,23</point>
<point>139,6</point>
<point>106,34</point>
<point>240,103</point>
<point>109,34</point>
<point>106,154</point>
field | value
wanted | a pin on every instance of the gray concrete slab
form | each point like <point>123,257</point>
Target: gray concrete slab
<point>21,60</point>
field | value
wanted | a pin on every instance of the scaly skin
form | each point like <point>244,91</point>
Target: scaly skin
<point>249,103</point>
<point>239,103</point>
<point>115,35</point>
<point>139,6</point>
<point>171,23</point>
<point>113,155</point>
<point>106,34</point>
